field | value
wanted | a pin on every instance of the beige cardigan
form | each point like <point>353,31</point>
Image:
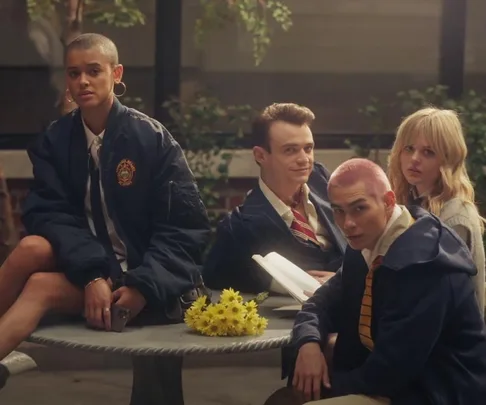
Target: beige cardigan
<point>464,219</point>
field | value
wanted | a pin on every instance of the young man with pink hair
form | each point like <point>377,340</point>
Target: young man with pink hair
<point>409,327</point>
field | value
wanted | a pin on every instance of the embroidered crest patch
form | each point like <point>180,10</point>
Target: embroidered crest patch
<point>125,172</point>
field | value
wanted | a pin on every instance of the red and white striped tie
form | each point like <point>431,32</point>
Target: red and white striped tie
<point>301,228</point>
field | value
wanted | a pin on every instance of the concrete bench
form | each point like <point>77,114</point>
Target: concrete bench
<point>157,352</point>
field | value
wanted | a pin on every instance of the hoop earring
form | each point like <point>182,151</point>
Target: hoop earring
<point>69,100</point>
<point>124,89</point>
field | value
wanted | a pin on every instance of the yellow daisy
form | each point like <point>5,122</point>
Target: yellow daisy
<point>236,326</point>
<point>211,330</point>
<point>203,322</point>
<point>200,303</point>
<point>229,296</point>
<point>191,316</point>
<point>235,309</point>
<point>222,324</point>
<point>230,316</point>
<point>249,327</point>
<point>261,325</point>
<point>251,307</point>
<point>219,309</point>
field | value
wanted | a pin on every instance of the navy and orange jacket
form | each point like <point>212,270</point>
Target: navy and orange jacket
<point>429,337</point>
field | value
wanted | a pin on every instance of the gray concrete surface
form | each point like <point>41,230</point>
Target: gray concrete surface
<point>202,386</point>
<point>76,377</point>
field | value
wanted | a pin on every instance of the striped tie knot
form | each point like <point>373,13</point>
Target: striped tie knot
<point>301,228</point>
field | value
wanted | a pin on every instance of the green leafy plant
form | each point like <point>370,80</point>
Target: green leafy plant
<point>133,102</point>
<point>372,149</point>
<point>120,13</point>
<point>209,153</point>
<point>68,17</point>
<point>257,17</point>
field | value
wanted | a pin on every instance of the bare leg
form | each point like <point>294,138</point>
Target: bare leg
<point>33,254</point>
<point>284,396</point>
<point>43,292</point>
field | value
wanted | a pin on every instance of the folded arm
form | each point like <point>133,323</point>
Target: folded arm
<point>413,318</point>
<point>180,230</point>
<point>48,212</point>
<point>320,314</point>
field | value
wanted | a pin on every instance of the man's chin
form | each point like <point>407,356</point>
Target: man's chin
<point>301,178</point>
<point>357,243</point>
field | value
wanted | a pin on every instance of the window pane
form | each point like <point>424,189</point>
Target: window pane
<point>336,56</point>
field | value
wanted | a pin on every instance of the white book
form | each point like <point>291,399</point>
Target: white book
<point>291,277</point>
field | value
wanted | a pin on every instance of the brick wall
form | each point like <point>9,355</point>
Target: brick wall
<point>233,194</point>
<point>230,196</point>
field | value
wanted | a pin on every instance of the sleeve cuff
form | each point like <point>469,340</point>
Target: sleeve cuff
<point>82,279</point>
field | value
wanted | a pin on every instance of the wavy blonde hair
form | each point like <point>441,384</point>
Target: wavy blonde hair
<point>442,130</point>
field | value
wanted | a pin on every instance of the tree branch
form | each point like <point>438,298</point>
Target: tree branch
<point>79,11</point>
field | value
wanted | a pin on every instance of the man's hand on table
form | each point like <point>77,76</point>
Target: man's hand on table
<point>130,298</point>
<point>310,372</point>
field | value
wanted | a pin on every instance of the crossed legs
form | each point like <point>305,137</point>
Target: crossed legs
<point>30,288</point>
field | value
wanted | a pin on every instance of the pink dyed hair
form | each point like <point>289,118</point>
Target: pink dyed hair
<point>354,170</point>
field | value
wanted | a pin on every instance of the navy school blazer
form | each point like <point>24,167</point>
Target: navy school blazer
<point>256,228</point>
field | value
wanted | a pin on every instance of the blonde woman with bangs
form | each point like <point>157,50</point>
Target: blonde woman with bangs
<point>427,167</point>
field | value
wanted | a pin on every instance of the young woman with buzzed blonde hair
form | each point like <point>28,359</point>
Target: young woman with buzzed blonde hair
<point>427,167</point>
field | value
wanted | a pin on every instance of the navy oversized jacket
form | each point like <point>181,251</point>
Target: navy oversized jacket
<point>157,210</point>
<point>429,336</point>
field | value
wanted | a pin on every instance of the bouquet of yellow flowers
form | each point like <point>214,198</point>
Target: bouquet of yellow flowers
<point>230,316</point>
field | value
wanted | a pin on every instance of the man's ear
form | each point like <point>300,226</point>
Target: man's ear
<point>390,200</point>
<point>259,154</point>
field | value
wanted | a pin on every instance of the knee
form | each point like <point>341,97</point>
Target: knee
<point>36,249</point>
<point>42,287</point>
<point>284,396</point>
<point>36,246</point>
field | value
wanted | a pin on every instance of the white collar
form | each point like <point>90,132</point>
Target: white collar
<point>90,136</point>
<point>370,254</point>
<point>279,206</point>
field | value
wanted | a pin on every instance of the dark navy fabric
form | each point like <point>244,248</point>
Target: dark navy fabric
<point>256,228</point>
<point>429,336</point>
<point>154,204</point>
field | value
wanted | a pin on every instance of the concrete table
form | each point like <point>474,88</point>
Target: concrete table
<point>157,351</point>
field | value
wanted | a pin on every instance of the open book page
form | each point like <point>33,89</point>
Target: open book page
<point>291,277</point>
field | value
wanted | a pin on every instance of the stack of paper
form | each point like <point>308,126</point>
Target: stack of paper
<point>291,277</point>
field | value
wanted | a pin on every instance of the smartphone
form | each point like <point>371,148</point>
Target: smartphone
<point>119,318</point>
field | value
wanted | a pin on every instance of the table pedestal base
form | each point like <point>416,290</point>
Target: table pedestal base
<point>157,381</point>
